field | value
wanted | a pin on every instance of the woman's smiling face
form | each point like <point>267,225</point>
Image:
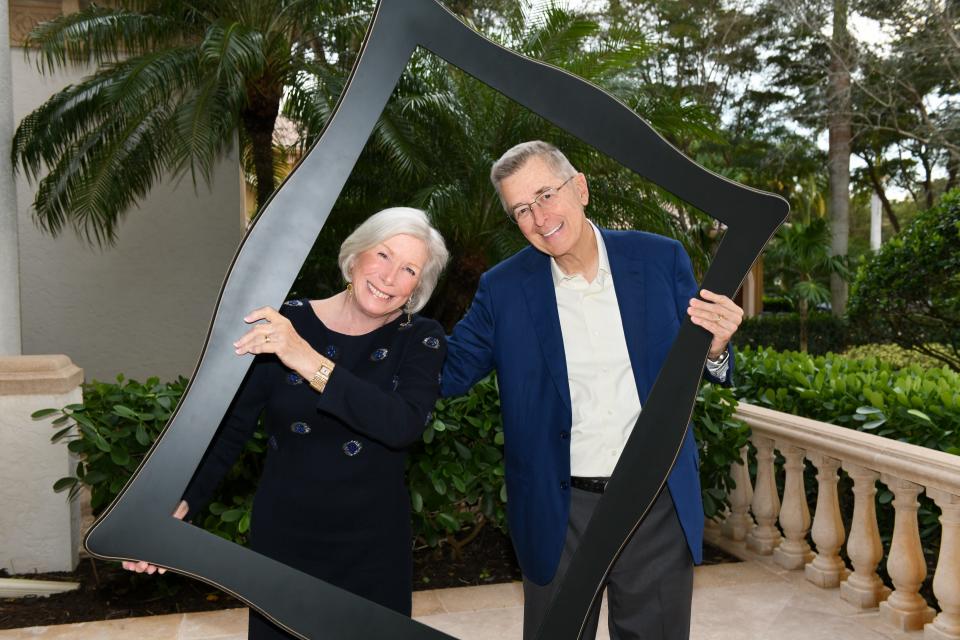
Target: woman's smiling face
<point>386,274</point>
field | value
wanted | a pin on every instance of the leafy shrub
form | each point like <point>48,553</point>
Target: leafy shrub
<point>719,439</point>
<point>894,354</point>
<point>781,331</point>
<point>115,427</point>
<point>912,404</point>
<point>909,291</point>
<point>111,432</point>
<point>455,475</point>
<point>776,304</point>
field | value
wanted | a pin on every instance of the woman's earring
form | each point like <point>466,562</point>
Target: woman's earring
<point>406,310</point>
<point>349,290</point>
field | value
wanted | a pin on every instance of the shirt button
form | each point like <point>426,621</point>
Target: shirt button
<point>564,485</point>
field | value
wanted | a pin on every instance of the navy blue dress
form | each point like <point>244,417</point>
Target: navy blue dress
<point>332,500</point>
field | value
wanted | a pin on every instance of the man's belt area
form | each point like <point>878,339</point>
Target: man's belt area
<point>593,485</point>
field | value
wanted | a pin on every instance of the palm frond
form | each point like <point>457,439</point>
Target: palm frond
<point>397,139</point>
<point>97,34</point>
<point>97,180</point>
<point>208,115</point>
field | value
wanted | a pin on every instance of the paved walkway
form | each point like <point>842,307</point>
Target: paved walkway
<point>753,600</point>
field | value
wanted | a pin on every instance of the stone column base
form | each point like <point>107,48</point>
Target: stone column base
<point>864,597</point>
<point>906,620</point>
<point>790,559</point>
<point>830,578</point>
<point>736,528</point>
<point>763,546</point>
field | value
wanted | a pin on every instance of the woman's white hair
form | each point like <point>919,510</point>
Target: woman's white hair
<point>391,222</point>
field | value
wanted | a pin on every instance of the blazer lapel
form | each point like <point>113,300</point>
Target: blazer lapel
<point>542,304</point>
<point>629,282</point>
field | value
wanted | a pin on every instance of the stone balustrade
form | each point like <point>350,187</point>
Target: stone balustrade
<point>906,470</point>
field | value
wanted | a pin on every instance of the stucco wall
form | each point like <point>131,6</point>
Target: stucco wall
<point>39,529</point>
<point>141,307</point>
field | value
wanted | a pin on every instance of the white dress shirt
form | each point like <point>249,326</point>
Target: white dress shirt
<point>603,390</point>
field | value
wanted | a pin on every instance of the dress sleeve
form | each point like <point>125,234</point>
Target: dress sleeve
<point>397,417</point>
<point>236,429</point>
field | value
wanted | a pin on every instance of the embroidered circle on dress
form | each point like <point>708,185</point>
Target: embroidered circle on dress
<point>301,428</point>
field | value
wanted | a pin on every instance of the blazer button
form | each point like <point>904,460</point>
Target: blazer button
<point>564,485</point>
<point>564,435</point>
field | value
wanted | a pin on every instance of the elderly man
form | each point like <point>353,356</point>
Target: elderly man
<point>577,326</point>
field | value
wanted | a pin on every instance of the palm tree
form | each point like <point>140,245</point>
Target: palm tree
<point>176,84</point>
<point>800,258</point>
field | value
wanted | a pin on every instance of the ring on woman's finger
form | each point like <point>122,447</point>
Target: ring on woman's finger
<point>266,338</point>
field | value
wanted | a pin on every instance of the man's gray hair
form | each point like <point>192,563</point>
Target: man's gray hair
<point>518,155</point>
<point>391,222</point>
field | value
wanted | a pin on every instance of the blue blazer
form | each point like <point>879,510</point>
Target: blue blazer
<point>513,326</point>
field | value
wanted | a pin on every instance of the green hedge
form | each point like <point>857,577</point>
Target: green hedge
<point>913,404</point>
<point>895,355</point>
<point>781,331</point>
<point>455,475</point>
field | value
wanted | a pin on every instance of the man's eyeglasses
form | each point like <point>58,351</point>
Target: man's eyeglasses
<point>547,200</point>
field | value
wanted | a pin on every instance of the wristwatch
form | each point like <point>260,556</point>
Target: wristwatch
<point>322,376</point>
<point>721,360</point>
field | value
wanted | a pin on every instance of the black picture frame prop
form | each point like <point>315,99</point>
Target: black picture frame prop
<point>138,524</point>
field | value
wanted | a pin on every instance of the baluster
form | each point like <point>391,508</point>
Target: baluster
<point>739,523</point>
<point>863,588</point>
<point>905,609</point>
<point>827,569</point>
<point>793,552</point>
<point>766,503</point>
<point>946,579</point>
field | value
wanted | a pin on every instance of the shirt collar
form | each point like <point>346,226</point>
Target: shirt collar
<point>603,266</point>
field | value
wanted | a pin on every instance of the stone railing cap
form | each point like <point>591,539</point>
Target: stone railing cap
<point>927,467</point>
<point>38,375</point>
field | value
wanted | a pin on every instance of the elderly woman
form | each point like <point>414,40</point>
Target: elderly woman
<point>347,384</point>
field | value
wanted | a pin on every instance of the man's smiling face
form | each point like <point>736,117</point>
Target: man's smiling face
<point>555,228</point>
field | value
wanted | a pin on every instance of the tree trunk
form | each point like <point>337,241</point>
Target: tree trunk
<point>259,118</point>
<point>927,179</point>
<point>803,308</point>
<point>881,193</point>
<point>840,128</point>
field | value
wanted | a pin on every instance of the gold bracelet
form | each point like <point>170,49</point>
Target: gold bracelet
<point>322,376</point>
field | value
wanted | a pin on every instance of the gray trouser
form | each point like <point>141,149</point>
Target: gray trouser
<point>649,588</point>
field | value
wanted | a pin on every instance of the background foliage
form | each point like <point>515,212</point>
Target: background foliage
<point>455,475</point>
<point>909,292</point>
